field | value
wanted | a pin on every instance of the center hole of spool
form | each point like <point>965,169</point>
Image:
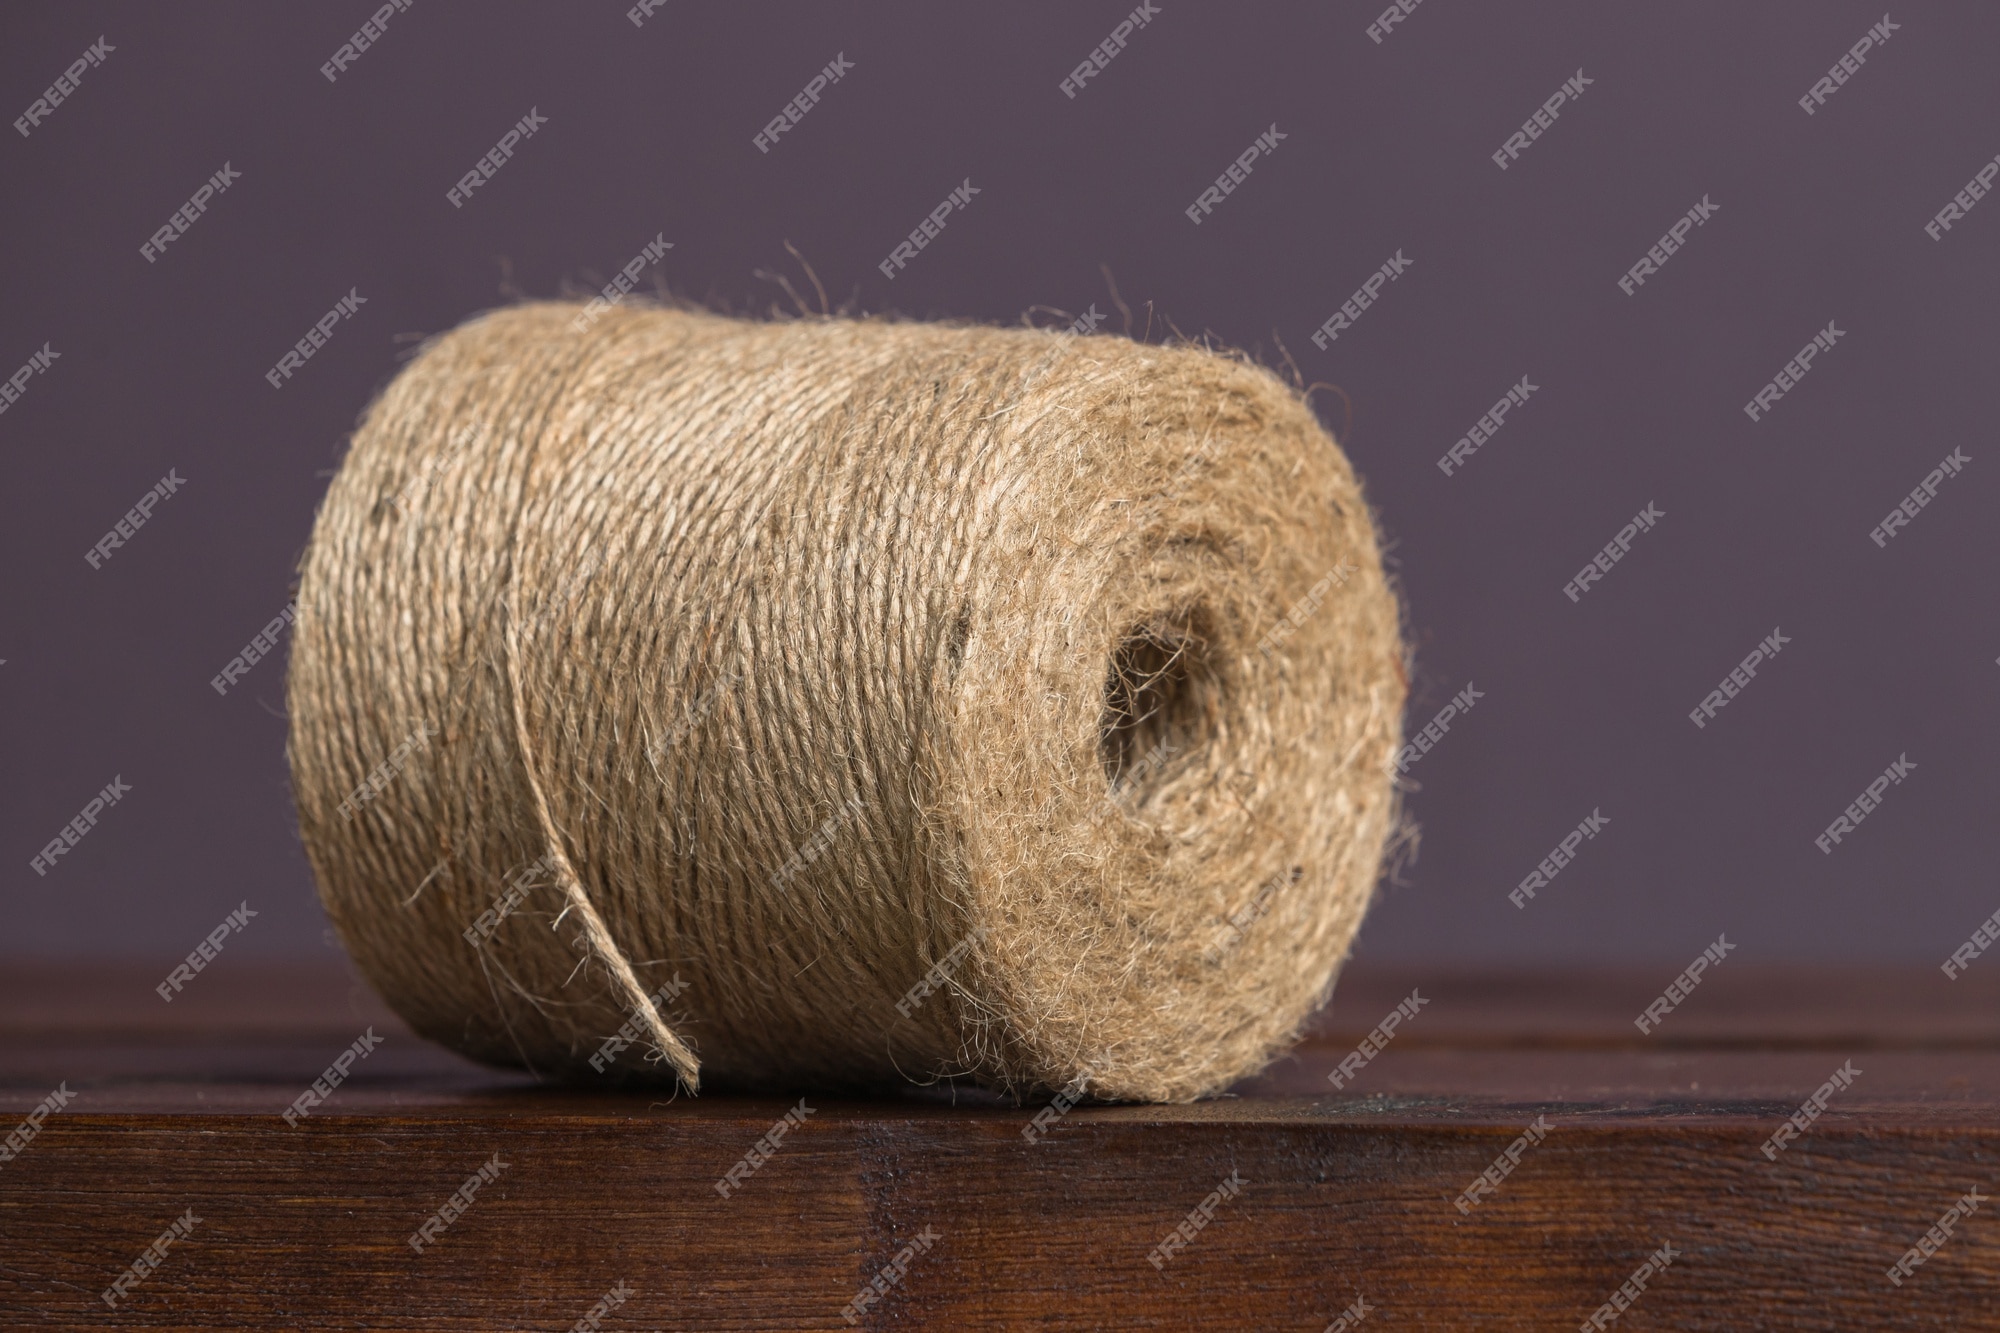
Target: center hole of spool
<point>1160,697</point>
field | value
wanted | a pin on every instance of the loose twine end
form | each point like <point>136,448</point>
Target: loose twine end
<point>595,932</point>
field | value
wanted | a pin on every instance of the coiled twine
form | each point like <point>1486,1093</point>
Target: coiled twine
<point>838,703</point>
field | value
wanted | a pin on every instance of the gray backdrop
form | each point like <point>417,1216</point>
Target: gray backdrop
<point>1387,152</point>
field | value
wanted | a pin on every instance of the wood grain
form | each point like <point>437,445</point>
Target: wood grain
<point>1346,1194</point>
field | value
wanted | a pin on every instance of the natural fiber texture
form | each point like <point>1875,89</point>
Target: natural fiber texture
<point>793,660</point>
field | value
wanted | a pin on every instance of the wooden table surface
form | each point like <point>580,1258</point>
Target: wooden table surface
<point>1347,1199</point>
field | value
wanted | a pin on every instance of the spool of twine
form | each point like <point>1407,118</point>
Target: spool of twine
<point>839,704</point>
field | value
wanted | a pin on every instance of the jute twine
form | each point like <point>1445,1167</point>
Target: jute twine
<point>838,703</point>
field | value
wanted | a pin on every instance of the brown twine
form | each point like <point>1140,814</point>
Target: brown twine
<point>670,682</point>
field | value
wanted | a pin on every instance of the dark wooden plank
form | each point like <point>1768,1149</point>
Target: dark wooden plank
<point>307,1228</point>
<point>1344,1194</point>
